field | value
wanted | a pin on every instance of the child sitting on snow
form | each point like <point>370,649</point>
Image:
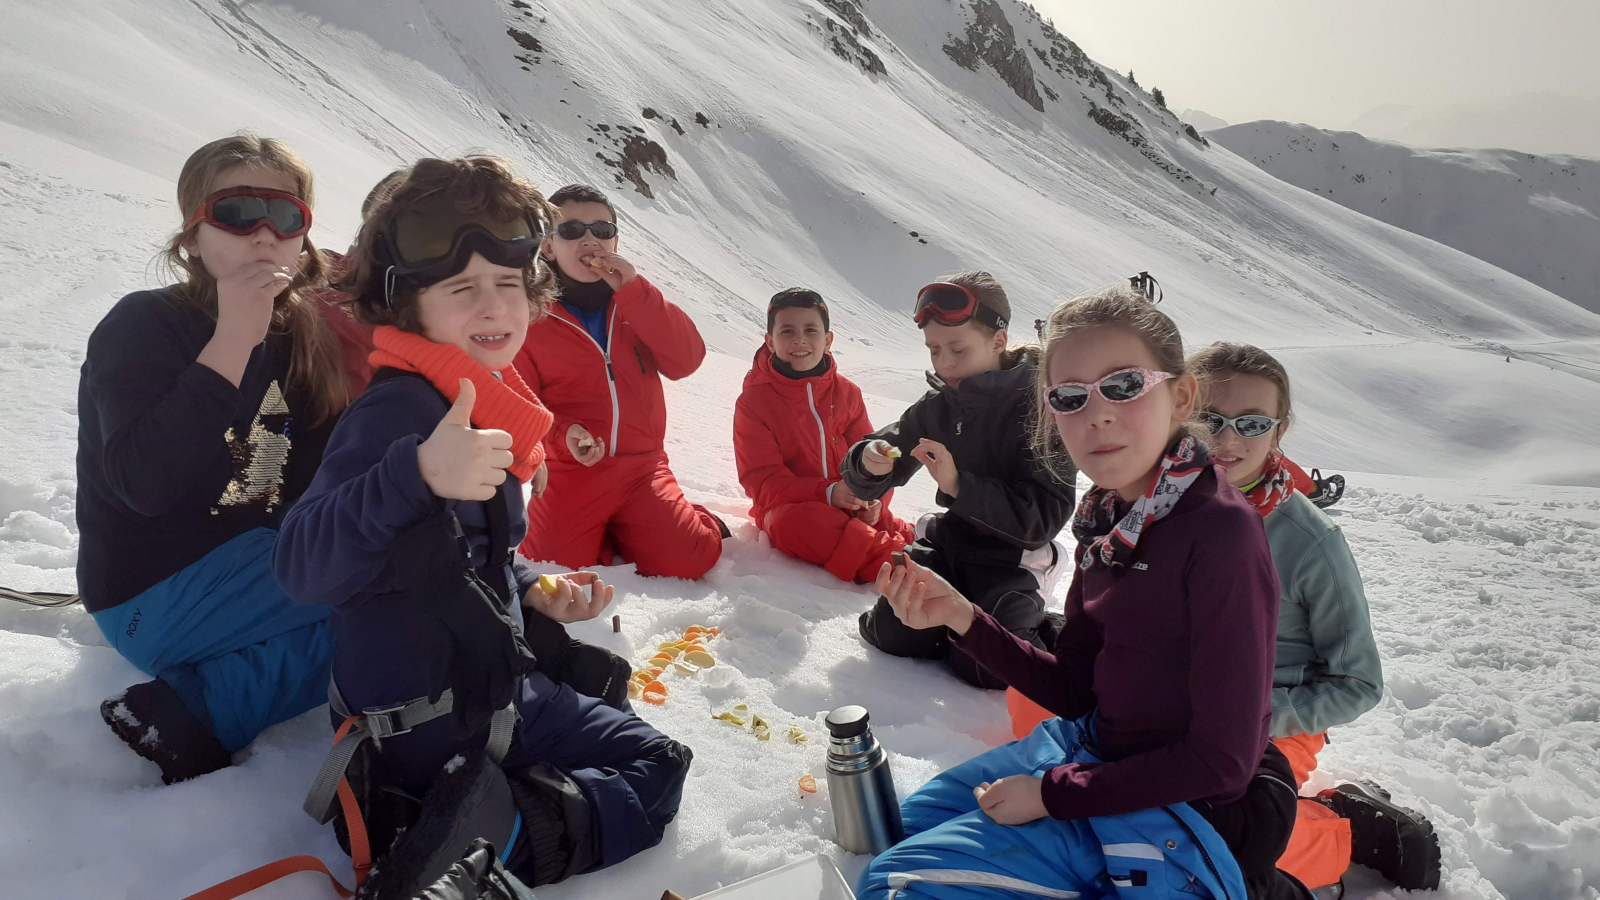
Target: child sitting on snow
<point>1003,509</point>
<point>1328,671</point>
<point>792,425</point>
<point>1157,779</point>
<point>597,361</point>
<point>204,407</point>
<point>408,531</point>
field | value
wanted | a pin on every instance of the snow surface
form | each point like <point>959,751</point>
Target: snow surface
<point>814,166</point>
<point>1472,200</point>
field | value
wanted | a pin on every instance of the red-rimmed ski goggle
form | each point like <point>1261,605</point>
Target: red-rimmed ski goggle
<point>244,210</point>
<point>953,304</point>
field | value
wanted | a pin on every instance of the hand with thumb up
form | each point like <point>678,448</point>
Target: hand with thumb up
<point>460,462</point>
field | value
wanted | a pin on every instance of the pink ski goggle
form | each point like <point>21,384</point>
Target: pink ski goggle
<point>1121,386</point>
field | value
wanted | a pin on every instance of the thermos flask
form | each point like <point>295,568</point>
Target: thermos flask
<point>866,811</point>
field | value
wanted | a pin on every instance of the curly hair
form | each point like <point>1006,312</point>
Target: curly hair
<point>474,184</point>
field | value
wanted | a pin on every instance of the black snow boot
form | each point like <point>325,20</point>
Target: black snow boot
<point>468,801</point>
<point>152,720</point>
<point>1397,842</point>
<point>479,875</point>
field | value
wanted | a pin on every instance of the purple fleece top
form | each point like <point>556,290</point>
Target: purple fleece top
<point>1173,655</point>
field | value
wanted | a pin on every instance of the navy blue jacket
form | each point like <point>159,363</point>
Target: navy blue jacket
<point>173,460</point>
<point>335,545</point>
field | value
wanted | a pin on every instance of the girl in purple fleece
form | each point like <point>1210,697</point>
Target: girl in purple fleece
<point>1157,775</point>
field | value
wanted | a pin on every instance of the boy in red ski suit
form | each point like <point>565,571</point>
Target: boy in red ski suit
<point>596,361</point>
<point>792,425</point>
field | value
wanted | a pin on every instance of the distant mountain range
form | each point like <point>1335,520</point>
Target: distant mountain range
<point>1532,215</point>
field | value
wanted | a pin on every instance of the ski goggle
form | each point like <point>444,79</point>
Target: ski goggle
<point>953,304</point>
<point>572,230</point>
<point>428,245</point>
<point>244,210</point>
<point>1253,425</point>
<point>1121,386</point>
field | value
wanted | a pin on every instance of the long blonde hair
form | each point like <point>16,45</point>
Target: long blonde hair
<point>316,366</point>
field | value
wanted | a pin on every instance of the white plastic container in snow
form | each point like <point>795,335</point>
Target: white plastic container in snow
<point>811,879</point>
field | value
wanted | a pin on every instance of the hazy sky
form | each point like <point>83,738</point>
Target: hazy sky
<point>1324,62</point>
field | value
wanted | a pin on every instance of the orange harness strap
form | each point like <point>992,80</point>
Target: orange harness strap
<point>360,852</point>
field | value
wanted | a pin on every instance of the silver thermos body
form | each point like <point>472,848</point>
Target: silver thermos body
<point>866,811</point>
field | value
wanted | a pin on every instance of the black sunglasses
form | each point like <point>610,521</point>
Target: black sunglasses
<point>572,230</point>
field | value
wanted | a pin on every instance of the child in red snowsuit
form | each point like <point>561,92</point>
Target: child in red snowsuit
<point>794,421</point>
<point>596,361</point>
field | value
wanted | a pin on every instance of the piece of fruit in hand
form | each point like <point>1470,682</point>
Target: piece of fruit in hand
<point>549,584</point>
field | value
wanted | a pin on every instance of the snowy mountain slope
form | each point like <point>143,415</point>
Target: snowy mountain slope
<point>1534,216</point>
<point>782,142</point>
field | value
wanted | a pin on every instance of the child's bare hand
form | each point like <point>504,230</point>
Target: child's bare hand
<point>878,457</point>
<point>1013,800</point>
<point>940,465</point>
<point>568,604</point>
<point>540,480</point>
<point>921,599</point>
<point>613,268</point>
<point>842,497</point>
<point>459,462</point>
<point>584,447</point>
<point>245,297</point>
<point>869,512</point>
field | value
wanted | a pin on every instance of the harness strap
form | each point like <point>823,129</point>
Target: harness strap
<point>360,850</point>
<point>377,722</point>
<point>502,728</point>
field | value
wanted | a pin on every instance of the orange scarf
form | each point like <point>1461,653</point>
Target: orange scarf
<point>505,403</point>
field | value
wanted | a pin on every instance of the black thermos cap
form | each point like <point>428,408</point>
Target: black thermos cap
<point>848,721</point>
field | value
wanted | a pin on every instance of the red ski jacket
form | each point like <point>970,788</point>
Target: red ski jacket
<point>615,393</point>
<point>789,435</point>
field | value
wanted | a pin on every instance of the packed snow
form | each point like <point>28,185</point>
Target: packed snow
<point>816,137</point>
<point>1471,200</point>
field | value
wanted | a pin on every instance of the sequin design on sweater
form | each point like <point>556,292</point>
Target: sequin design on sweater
<point>259,458</point>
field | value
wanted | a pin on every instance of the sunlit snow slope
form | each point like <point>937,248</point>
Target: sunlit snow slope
<point>859,148</point>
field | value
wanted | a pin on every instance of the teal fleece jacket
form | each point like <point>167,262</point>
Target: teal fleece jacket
<point>1327,672</point>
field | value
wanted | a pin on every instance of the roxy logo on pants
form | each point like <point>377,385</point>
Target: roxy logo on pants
<point>133,623</point>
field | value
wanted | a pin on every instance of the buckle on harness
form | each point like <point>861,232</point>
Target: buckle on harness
<point>381,721</point>
<point>399,718</point>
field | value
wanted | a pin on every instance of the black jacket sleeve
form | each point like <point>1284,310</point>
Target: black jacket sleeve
<point>1026,511</point>
<point>163,416</point>
<point>902,435</point>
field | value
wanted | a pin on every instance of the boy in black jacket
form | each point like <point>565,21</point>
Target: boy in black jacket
<point>971,430</point>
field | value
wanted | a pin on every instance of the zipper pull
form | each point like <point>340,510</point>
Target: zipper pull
<point>610,373</point>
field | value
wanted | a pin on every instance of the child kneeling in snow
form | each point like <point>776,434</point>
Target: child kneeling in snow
<point>792,425</point>
<point>1157,776</point>
<point>408,530</point>
<point>995,541</point>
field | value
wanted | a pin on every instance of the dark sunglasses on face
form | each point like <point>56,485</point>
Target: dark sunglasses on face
<point>1121,386</point>
<point>244,210</point>
<point>1248,426</point>
<point>572,230</point>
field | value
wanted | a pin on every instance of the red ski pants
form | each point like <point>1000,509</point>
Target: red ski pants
<point>627,504</point>
<point>850,549</point>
